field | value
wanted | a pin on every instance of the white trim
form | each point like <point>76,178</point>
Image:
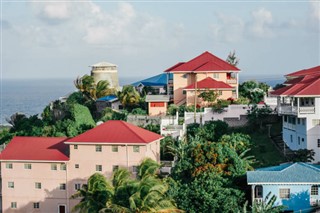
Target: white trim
<point>111,143</point>
<point>288,183</point>
<point>36,161</point>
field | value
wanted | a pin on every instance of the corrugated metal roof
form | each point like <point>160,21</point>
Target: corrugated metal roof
<point>286,173</point>
<point>108,98</point>
<point>162,98</point>
<point>158,80</point>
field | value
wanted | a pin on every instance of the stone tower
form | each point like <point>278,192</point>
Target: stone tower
<point>105,71</point>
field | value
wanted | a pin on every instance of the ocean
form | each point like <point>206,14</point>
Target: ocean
<point>31,96</point>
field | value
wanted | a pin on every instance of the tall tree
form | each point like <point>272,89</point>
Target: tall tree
<point>129,97</point>
<point>232,59</point>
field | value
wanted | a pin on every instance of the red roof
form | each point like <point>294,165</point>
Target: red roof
<point>209,83</point>
<point>310,71</point>
<point>36,149</point>
<point>306,86</point>
<point>115,131</point>
<point>204,62</point>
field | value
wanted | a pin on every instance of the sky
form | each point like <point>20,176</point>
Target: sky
<point>61,39</point>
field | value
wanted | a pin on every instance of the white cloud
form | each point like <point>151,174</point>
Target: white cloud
<point>229,28</point>
<point>52,12</point>
<point>261,25</point>
<point>315,10</point>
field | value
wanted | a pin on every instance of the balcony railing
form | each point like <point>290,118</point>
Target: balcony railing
<point>293,110</point>
<point>232,81</point>
<point>307,110</point>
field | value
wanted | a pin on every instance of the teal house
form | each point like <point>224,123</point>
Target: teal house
<point>296,185</point>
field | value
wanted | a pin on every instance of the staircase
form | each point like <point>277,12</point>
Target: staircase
<point>282,146</point>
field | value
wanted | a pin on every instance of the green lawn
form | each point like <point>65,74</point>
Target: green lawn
<point>264,151</point>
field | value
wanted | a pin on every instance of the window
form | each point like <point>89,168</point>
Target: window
<point>53,166</point>
<point>302,139</point>
<point>284,193</point>
<point>98,148</point>
<point>258,191</point>
<point>220,92</point>
<point>62,186</point>
<point>215,75</point>
<point>63,166</point>
<point>157,104</point>
<point>75,146</point>
<point>298,120</point>
<point>9,165</point>
<point>37,185</point>
<point>285,118</point>
<point>10,184</point>
<point>315,122</point>
<point>13,205</point>
<point>298,140</point>
<point>314,190</point>
<point>36,205</point>
<point>99,168</point>
<point>134,168</point>
<point>291,139</point>
<point>318,142</point>
<point>77,186</point>
<point>76,166</point>
<point>303,121</point>
<point>114,148</point>
<point>115,168</point>
<point>136,148</point>
<point>27,166</point>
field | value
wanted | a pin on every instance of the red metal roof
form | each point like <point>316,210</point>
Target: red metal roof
<point>209,83</point>
<point>115,131</point>
<point>204,62</point>
<point>307,86</point>
<point>310,71</point>
<point>36,149</point>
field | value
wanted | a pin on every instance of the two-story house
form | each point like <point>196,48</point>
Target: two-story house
<point>39,174</point>
<point>202,73</point>
<point>299,105</point>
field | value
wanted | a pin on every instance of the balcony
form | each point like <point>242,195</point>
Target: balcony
<point>232,81</point>
<point>294,110</point>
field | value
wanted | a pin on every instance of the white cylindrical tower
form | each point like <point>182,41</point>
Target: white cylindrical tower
<point>105,71</point>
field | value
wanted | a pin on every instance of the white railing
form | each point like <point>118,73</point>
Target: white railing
<point>285,109</point>
<point>289,126</point>
<point>306,110</point>
<point>232,81</point>
<point>259,200</point>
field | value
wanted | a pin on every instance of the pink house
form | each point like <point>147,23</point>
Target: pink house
<point>39,174</point>
<point>204,72</point>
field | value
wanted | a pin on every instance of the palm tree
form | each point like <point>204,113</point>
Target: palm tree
<point>96,194</point>
<point>129,96</point>
<point>92,91</point>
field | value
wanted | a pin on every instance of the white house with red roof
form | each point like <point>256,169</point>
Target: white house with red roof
<point>39,174</point>
<point>299,106</point>
<point>202,73</point>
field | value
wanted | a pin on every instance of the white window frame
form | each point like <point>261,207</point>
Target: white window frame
<point>54,166</point>
<point>63,186</point>
<point>63,167</point>
<point>36,205</point>
<point>77,186</point>
<point>284,193</point>
<point>98,148</point>
<point>77,166</point>
<point>75,146</point>
<point>11,185</point>
<point>37,185</point>
<point>13,205</point>
<point>99,168</point>
<point>314,190</point>
<point>136,149</point>
<point>9,166</point>
<point>27,166</point>
<point>114,148</point>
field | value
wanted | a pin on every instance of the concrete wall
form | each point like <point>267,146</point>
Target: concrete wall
<point>50,196</point>
<point>24,192</point>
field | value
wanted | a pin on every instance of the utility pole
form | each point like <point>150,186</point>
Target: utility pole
<point>195,98</point>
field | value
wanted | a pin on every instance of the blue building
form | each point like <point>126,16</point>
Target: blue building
<point>296,185</point>
<point>159,83</point>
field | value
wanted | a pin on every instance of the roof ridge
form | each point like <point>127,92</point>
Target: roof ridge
<point>309,166</point>
<point>127,126</point>
<point>288,167</point>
